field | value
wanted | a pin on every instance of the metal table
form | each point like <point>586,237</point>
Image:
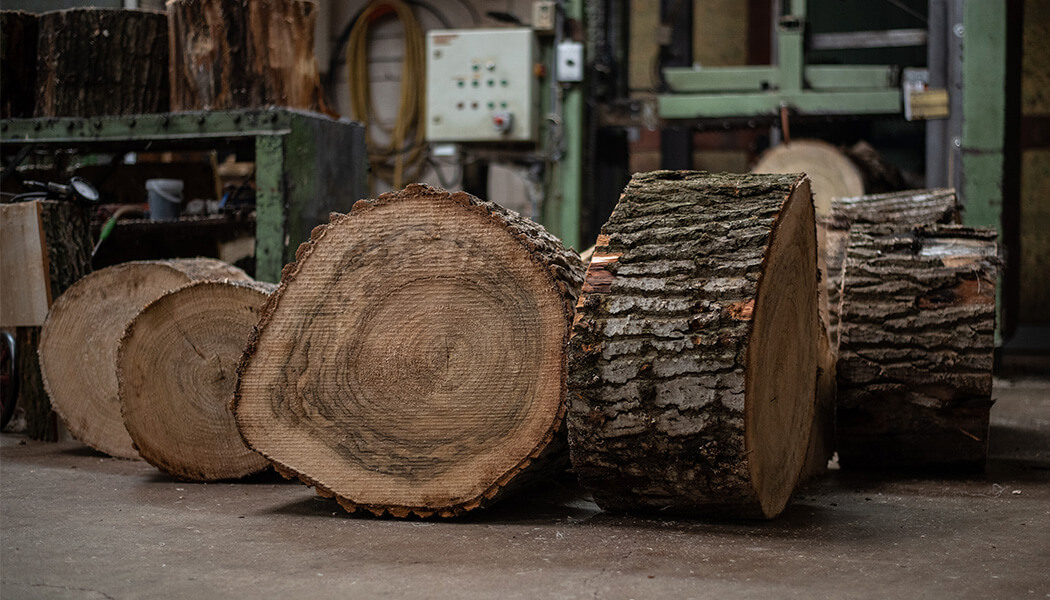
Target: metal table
<point>307,164</point>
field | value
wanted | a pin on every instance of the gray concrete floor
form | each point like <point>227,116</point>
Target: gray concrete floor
<point>75,524</point>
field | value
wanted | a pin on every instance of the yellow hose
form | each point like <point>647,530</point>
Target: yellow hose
<point>402,160</point>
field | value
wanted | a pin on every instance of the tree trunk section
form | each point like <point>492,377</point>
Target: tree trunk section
<point>18,39</point>
<point>177,369</point>
<point>78,345</point>
<point>413,359</point>
<point>243,54</point>
<point>915,355</point>
<point>694,357</point>
<point>93,62</point>
<point>67,233</point>
<point>904,209</point>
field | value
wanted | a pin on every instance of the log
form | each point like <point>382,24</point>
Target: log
<point>693,361</point>
<point>413,359</point>
<point>93,62</point>
<point>243,54</point>
<point>832,173</point>
<point>79,341</point>
<point>916,347</point>
<point>18,39</point>
<point>905,209</point>
<point>177,369</point>
<point>67,237</point>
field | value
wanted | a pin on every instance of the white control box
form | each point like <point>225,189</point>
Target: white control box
<point>482,85</point>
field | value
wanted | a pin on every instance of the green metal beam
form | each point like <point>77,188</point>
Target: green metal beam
<point>764,79</point>
<point>270,217</point>
<point>850,102</point>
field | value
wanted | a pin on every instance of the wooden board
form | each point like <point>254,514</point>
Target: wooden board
<point>25,292</point>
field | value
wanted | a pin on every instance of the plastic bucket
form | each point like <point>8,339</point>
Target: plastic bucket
<point>165,198</point>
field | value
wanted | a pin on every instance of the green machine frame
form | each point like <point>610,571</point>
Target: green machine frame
<point>307,165</point>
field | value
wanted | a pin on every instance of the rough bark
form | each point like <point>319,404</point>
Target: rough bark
<point>243,54</point>
<point>904,209</point>
<point>67,232</point>
<point>915,356</point>
<point>177,369</point>
<point>693,362</point>
<point>18,39</point>
<point>93,62</point>
<point>78,345</point>
<point>413,359</point>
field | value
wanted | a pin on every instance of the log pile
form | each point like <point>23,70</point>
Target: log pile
<point>916,347</point>
<point>413,359</point>
<point>79,341</point>
<point>694,357</point>
<point>177,369</point>
<point>243,54</point>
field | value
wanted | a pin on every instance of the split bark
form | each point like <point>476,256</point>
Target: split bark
<point>79,341</point>
<point>916,352</point>
<point>413,359</point>
<point>243,54</point>
<point>177,369</point>
<point>693,362</point>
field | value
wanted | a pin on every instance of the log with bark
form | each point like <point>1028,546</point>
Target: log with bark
<point>177,369</point>
<point>413,359</point>
<point>916,348</point>
<point>694,357</point>
<point>905,209</point>
<point>93,62</point>
<point>243,54</point>
<point>79,341</point>
<point>18,39</point>
<point>832,173</point>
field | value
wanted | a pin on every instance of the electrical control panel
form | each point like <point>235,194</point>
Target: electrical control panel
<point>482,85</point>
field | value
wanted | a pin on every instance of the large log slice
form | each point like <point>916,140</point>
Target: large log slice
<point>413,359</point>
<point>694,357</point>
<point>79,341</point>
<point>916,348</point>
<point>177,369</point>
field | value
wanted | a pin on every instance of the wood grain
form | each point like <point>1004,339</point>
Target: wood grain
<point>413,358</point>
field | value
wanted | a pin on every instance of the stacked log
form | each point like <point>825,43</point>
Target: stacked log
<point>93,62</point>
<point>694,356</point>
<point>18,39</point>
<point>243,54</point>
<point>79,341</point>
<point>413,359</point>
<point>916,347</point>
<point>177,369</point>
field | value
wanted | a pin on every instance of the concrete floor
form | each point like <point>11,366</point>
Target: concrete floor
<point>75,524</point>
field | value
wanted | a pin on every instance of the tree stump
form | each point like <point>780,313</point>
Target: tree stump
<point>18,39</point>
<point>833,174</point>
<point>903,209</point>
<point>693,361</point>
<point>413,359</point>
<point>177,369</point>
<point>93,62</point>
<point>243,54</point>
<point>916,347</point>
<point>79,341</point>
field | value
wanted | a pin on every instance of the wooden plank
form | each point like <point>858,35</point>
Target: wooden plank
<point>25,294</point>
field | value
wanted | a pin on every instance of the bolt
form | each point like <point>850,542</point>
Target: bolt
<point>958,30</point>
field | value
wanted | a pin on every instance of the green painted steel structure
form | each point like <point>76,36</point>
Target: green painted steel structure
<point>307,164</point>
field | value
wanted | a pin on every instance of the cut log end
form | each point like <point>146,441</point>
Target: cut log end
<point>79,341</point>
<point>413,359</point>
<point>693,357</point>
<point>177,366</point>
